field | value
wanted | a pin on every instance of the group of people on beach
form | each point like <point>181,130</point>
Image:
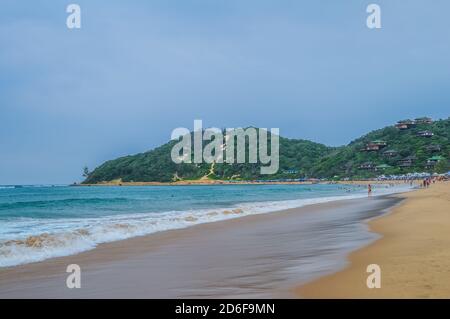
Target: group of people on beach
<point>426,182</point>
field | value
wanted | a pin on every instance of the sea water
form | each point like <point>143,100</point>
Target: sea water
<point>41,222</point>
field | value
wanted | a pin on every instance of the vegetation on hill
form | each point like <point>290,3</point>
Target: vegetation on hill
<point>296,156</point>
<point>347,161</point>
<point>299,159</point>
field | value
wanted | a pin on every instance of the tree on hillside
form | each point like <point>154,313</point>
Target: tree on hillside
<point>442,167</point>
<point>86,172</point>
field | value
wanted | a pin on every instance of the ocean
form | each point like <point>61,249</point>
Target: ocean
<point>41,222</point>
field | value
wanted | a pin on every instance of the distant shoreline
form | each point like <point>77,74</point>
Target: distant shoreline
<point>224,182</point>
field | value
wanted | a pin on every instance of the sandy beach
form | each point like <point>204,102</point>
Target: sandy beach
<point>264,255</point>
<point>315,251</point>
<point>414,253</point>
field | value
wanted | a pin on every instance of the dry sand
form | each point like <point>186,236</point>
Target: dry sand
<point>414,253</point>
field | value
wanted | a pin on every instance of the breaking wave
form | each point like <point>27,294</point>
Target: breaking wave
<point>48,238</point>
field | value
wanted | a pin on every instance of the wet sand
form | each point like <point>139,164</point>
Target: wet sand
<point>414,253</point>
<point>255,256</point>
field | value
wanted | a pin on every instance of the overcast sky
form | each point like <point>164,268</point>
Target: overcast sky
<point>138,69</point>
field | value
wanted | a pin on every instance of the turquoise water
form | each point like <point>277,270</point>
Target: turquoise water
<point>37,223</point>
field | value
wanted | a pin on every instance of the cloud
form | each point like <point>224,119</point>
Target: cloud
<point>137,70</point>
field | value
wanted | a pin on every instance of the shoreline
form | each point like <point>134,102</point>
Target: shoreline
<point>88,241</point>
<point>412,253</point>
<point>210,182</point>
<point>261,237</point>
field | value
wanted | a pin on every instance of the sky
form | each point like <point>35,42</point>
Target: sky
<point>136,70</point>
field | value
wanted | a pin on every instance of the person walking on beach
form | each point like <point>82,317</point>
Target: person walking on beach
<point>369,190</point>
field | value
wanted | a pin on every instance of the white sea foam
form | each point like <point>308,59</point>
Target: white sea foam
<point>47,239</point>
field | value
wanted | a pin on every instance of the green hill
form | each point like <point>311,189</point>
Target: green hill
<point>300,159</point>
<point>404,144</point>
<point>297,158</point>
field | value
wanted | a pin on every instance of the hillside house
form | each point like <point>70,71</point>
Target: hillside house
<point>367,166</point>
<point>380,143</point>
<point>423,120</point>
<point>405,124</point>
<point>432,161</point>
<point>433,148</point>
<point>425,134</point>
<point>290,171</point>
<point>390,153</point>
<point>382,167</point>
<point>375,146</point>
<point>371,147</point>
<point>406,161</point>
